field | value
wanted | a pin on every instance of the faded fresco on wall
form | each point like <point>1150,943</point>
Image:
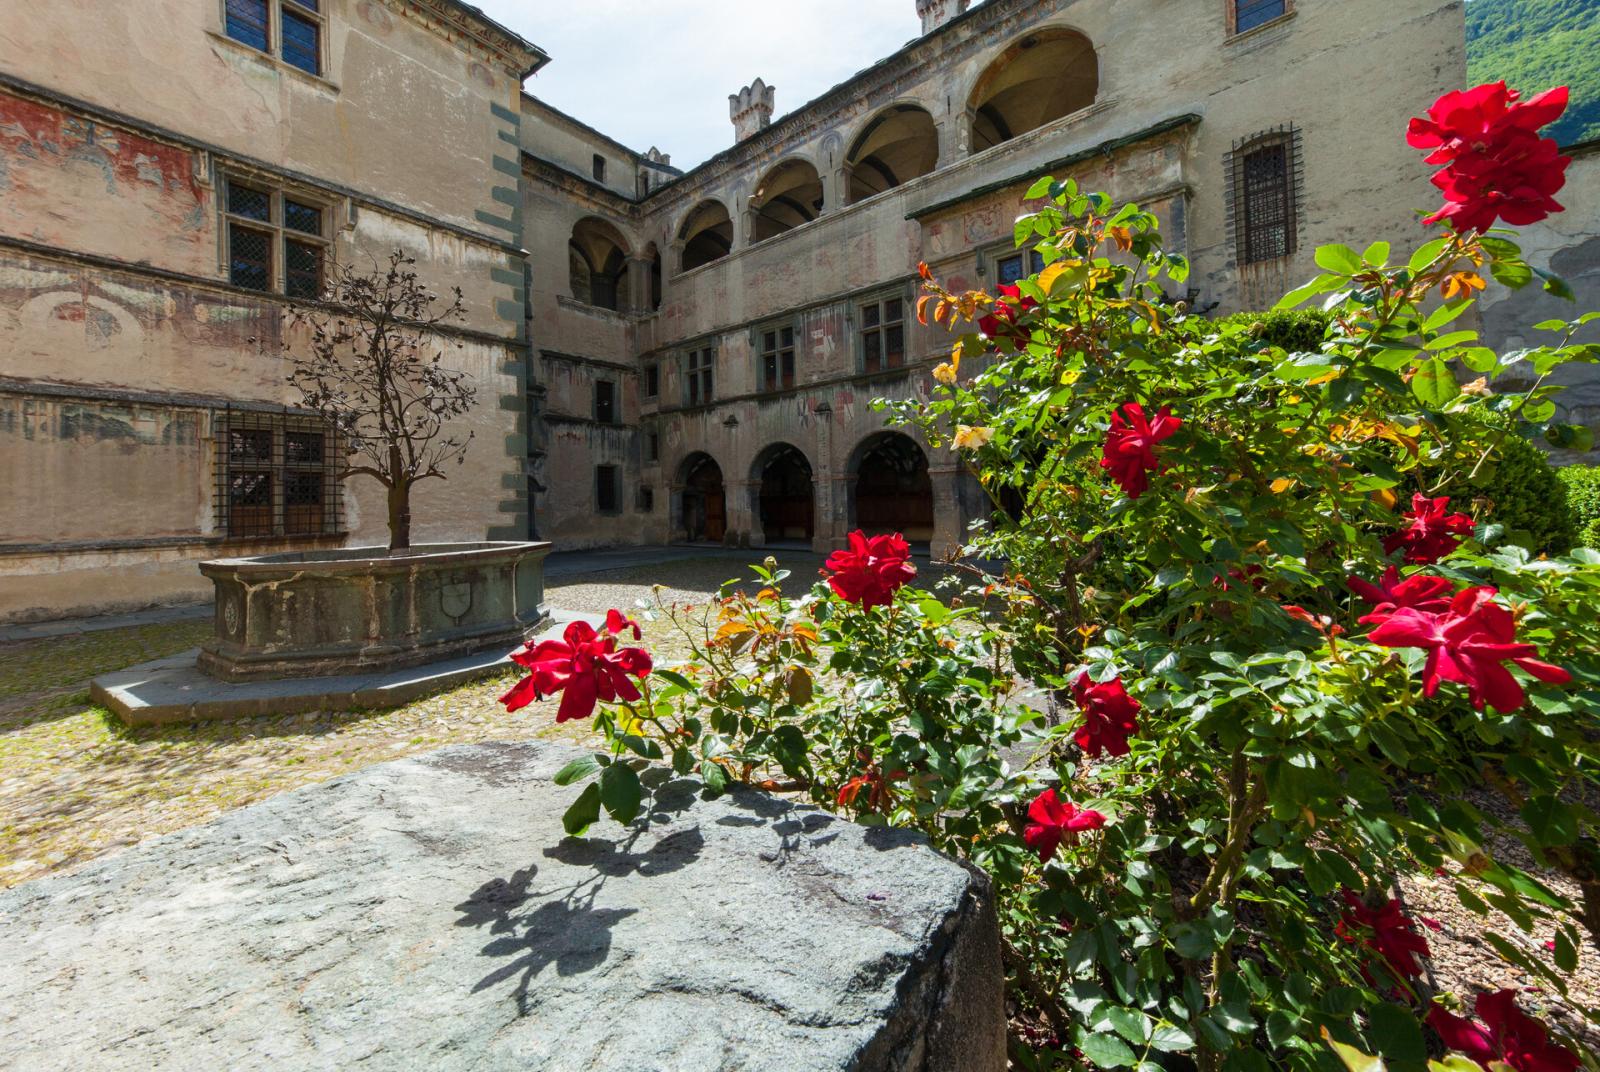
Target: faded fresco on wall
<point>148,203</point>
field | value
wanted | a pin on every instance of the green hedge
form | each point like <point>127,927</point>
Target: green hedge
<point>1294,330</point>
<point>1528,496</point>
<point>1583,496</point>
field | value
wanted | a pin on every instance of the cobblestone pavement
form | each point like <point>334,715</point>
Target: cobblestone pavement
<point>75,783</point>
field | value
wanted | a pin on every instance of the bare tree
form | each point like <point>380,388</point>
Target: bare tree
<point>373,370</point>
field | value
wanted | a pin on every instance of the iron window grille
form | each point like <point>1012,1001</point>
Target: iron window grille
<point>646,500</point>
<point>652,380</point>
<point>777,357</point>
<point>882,332</point>
<point>700,369</point>
<point>276,242</point>
<point>277,476</point>
<point>1265,180</point>
<point>292,30</point>
<point>605,402</point>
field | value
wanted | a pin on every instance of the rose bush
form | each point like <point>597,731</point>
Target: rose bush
<point>1288,655</point>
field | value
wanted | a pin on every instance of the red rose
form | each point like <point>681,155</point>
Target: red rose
<point>1419,592</point>
<point>1469,644</point>
<point>1000,325</point>
<point>585,664</point>
<point>1110,716</point>
<point>1507,1034</point>
<point>1053,820</point>
<point>871,569</point>
<point>1432,534</point>
<point>1496,165</point>
<point>1387,931</point>
<point>1130,448</point>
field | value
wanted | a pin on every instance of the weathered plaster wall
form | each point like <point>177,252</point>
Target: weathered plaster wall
<point>122,337</point>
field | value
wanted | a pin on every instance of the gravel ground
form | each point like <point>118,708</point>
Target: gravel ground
<point>75,783</point>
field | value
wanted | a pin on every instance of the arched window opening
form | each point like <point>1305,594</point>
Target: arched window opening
<point>787,497</point>
<point>893,491</point>
<point>899,145</point>
<point>1039,79</point>
<point>597,257</point>
<point>790,195</point>
<point>707,235</point>
<point>704,511</point>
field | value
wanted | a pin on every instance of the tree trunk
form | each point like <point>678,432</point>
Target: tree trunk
<point>399,515</point>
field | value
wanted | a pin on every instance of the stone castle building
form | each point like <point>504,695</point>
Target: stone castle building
<point>661,355</point>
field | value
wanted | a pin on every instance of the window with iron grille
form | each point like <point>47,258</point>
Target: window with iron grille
<point>652,380</point>
<point>277,241</point>
<point>1248,14</point>
<point>646,500</point>
<point>277,475</point>
<point>1019,265</point>
<point>292,30</point>
<point>777,357</point>
<point>652,446</point>
<point>607,490</point>
<point>599,168</point>
<point>883,334</point>
<point>1264,179</point>
<point>700,375</point>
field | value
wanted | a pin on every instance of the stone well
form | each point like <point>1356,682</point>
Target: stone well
<point>362,609</point>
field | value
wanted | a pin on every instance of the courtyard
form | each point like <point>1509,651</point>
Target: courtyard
<point>76,784</point>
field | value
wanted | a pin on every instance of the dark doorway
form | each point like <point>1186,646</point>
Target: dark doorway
<point>705,508</point>
<point>893,492</point>
<point>788,500</point>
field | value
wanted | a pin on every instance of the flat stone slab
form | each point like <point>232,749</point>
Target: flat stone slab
<point>176,690</point>
<point>430,914</point>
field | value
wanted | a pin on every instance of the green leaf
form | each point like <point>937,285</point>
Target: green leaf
<point>583,812</point>
<point>1338,258</point>
<point>1170,1038</point>
<point>621,793</point>
<point>674,678</point>
<point>1434,384</point>
<point>1396,1033</point>
<point>1105,1050</point>
<point>1354,1059</point>
<point>578,769</point>
<point>1514,274</point>
<point>1377,254</point>
<point>1566,953</point>
<point>714,776</point>
<point>1425,256</point>
<point>1131,1024</point>
<point>1554,284</point>
<point>1552,823</point>
<point>1234,1016</point>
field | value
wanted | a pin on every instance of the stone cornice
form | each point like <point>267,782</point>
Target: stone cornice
<point>518,56</point>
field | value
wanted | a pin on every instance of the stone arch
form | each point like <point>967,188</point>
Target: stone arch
<point>783,485</point>
<point>1035,80</point>
<point>597,260</point>
<point>891,489</point>
<point>706,235</point>
<point>789,195</point>
<point>898,144</point>
<point>699,500</point>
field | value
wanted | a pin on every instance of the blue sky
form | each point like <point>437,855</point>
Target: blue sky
<point>658,72</point>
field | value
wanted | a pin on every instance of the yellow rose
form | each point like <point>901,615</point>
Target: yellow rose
<point>970,438</point>
<point>945,373</point>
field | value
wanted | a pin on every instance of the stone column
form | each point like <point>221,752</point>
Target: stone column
<point>823,527</point>
<point>948,524</point>
<point>638,298</point>
<point>744,520</point>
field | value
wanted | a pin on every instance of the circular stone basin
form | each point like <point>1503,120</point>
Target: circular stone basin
<point>361,609</point>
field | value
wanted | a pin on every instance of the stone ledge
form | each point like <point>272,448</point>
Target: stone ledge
<point>429,913</point>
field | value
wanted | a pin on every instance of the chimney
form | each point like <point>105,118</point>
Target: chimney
<point>935,13</point>
<point>751,109</point>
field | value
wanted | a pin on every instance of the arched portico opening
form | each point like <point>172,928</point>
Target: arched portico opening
<point>597,256</point>
<point>1044,76</point>
<point>703,504</point>
<point>891,490</point>
<point>786,494</point>
<point>706,235</point>
<point>898,145</point>
<point>789,195</point>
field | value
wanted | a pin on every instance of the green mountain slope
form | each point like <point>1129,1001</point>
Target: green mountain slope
<point>1536,44</point>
